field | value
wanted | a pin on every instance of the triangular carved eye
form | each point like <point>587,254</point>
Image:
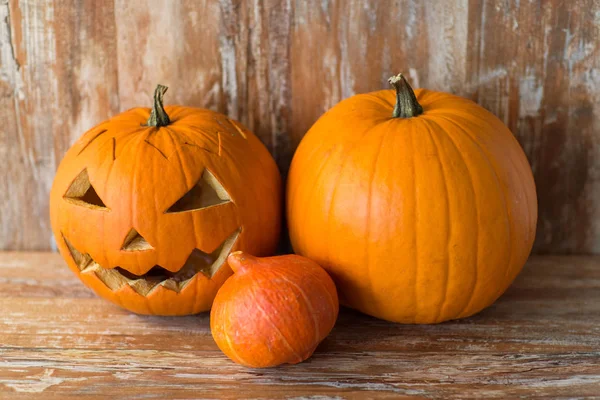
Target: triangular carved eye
<point>135,242</point>
<point>82,193</point>
<point>207,192</point>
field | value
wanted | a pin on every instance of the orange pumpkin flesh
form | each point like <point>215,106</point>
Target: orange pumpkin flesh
<point>418,217</point>
<point>273,310</point>
<point>146,215</point>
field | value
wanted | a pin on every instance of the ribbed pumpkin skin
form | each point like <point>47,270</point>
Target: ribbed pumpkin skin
<point>140,171</point>
<point>418,220</point>
<point>273,310</point>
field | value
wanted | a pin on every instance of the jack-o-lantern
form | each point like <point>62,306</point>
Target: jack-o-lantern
<point>147,206</point>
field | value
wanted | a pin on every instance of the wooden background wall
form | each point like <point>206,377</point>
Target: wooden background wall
<point>276,65</point>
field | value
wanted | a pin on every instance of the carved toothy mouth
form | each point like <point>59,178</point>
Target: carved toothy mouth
<point>198,262</point>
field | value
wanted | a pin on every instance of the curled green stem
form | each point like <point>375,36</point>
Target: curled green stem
<point>158,116</point>
<point>407,105</point>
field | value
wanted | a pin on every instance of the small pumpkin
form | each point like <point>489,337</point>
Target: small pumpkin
<point>273,310</point>
<point>421,205</point>
<point>145,207</point>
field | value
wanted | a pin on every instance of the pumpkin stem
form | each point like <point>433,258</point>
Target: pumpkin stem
<point>240,261</point>
<point>407,105</point>
<point>158,116</point>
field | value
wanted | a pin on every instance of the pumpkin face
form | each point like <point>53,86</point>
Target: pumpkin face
<point>147,215</point>
<point>419,218</point>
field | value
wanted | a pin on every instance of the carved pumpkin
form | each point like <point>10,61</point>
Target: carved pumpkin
<point>422,208</point>
<point>146,206</point>
<point>273,310</point>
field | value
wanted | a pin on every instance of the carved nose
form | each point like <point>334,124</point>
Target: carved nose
<point>135,242</point>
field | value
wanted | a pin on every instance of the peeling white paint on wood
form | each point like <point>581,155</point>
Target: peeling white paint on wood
<point>347,34</point>
<point>228,61</point>
<point>27,129</point>
<point>531,94</point>
<point>37,383</point>
<point>447,40</point>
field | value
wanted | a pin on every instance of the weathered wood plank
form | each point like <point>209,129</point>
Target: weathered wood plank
<point>57,79</point>
<point>278,65</point>
<point>541,339</point>
<point>538,71</point>
<point>228,56</point>
<point>175,43</point>
<point>254,48</point>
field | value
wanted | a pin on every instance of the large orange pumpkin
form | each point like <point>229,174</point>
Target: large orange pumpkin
<point>146,206</point>
<point>421,205</point>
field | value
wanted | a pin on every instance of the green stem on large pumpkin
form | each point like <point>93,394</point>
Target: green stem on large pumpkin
<point>158,116</point>
<point>407,105</point>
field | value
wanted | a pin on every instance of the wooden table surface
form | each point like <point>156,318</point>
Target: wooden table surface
<point>542,338</point>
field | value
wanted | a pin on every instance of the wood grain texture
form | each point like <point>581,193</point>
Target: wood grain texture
<point>58,78</point>
<point>278,65</point>
<point>541,339</point>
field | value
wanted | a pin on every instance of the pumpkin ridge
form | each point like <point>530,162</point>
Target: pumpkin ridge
<point>498,184</point>
<point>448,221</point>
<point>368,216</point>
<point>171,134</point>
<point>157,138</point>
<point>232,349</point>
<point>85,146</point>
<point>343,160</point>
<point>102,140</point>
<point>201,132</point>
<point>334,302</point>
<point>508,218</point>
<point>175,136</point>
<point>186,174</point>
<point>156,148</point>
<point>260,168</point>
<point>133,182</point>
<point>324,163</point>
<point>474,196</point>
<point>415,226</point>
<point>334,190</point>
<point>527,199</point>
<point>126,138</point>
<point>311,309</point>
<point>123,134</point>
<point>268,319</point>
<point>521,183</point>
<point>103,224</point>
